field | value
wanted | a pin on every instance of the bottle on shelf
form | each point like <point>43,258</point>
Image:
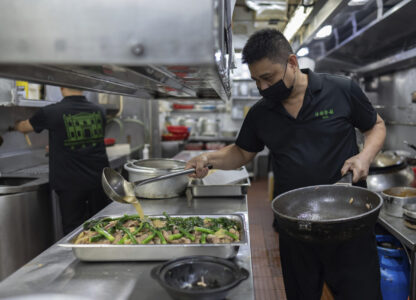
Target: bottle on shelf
<point>145,152</point>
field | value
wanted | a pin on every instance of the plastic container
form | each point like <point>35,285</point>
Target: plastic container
<point>182,106</point>
<point>394,268</point>
<point>175,136</point>
<point>177,129</point>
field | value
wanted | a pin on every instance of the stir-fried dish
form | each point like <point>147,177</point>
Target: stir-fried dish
<point>130,229</point>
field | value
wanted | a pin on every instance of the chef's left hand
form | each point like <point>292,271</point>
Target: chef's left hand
<point>359,166</point>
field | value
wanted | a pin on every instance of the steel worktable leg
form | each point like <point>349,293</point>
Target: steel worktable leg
<point>413,276</point>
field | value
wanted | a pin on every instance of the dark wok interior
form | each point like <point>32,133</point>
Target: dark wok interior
<point>326,203</point>
<point>187,276</point>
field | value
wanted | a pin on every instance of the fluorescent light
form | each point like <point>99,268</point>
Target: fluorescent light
<point>357,2</point>
<point>261,6</point>
<point>303,51</point>
<point>324,32</point>
<point>296,21</point>
<point>218,56</point>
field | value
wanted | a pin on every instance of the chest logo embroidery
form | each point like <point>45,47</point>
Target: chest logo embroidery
<point>324,114</point>
<point>83,129</point>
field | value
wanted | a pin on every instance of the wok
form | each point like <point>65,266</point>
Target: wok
<point>327,213</point>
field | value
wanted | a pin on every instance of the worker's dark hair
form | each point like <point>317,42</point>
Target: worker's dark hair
<point>267,43</point>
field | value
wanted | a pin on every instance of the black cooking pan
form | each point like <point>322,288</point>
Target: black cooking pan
<point>327,213</point>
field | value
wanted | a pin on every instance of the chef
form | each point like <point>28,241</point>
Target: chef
<point>308,121</point>
<point>76,154</point>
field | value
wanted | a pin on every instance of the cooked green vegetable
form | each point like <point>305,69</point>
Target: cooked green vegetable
<point>204,230</point>
<point>187,234</point>
<point>204,238</point>
<point>175,236</point>
<point>96,238</point>
<point>129,234</point>
<point>96,231</point>
<point>231,235</point>
<point>148,239</point>
<point>104,233</point>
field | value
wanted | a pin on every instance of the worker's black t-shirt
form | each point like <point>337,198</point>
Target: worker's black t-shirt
<point>76,142</point>
<point>311,149</point>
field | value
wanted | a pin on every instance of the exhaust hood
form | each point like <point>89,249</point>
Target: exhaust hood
<point>145,49</point>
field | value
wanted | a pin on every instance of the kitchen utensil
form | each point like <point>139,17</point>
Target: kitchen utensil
<point>395,198</point>
<point>238,189</point>
<point>409,210</point>
<point>385,160</point>
<point>346,179</point>
<point>199,277</point>
<point>120,190</point>
<point>149,252</point>
<point>149,168</point>
<point>410,145</point>
<point>406,155</point>
<point>327,213</point>
<point>380,180</point>
<point>388,170</point>
<point>209,127</point>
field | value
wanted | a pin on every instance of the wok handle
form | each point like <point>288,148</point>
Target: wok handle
<point>410,145</point>
<point>345,180</point>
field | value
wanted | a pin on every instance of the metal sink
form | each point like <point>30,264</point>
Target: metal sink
<point>15,181</point>
<point>12,184</point>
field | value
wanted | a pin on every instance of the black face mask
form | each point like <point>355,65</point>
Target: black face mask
<point>278,91</point>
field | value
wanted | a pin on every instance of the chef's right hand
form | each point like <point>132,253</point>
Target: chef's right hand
<point>200,163</point>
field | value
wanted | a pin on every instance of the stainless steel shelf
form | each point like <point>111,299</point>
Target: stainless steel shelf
<point>31,103</point>
<point>365,36</point>
<point>211,139</point>
<point>402,60</point>
<point>247,98</point>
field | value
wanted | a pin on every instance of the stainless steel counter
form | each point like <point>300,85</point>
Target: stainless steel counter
<point>407,236</point>
<point>57,271</point>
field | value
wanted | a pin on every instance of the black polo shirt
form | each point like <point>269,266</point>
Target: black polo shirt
<point>77,152</point>
<point>311,149</point>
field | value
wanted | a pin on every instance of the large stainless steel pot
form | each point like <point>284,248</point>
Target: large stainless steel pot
<point>395,198</point>
<point>389,170</point>
<point>327,213</point>
<point>149,168</point>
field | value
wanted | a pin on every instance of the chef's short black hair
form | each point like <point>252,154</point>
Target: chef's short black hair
<point>267,43</point>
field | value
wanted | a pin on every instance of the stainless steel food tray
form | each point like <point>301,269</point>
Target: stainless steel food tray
<point>104,252</point>
<point>198,189</point>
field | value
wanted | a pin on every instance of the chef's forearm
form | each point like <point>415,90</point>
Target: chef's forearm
<point>374,139</point>
<point>23,126</point>
<point>229,158</point>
